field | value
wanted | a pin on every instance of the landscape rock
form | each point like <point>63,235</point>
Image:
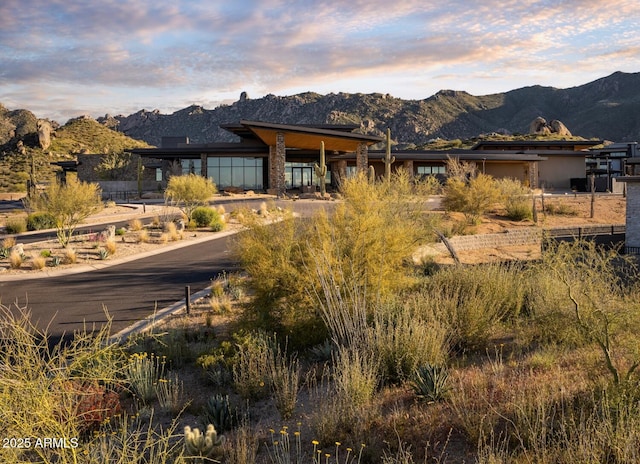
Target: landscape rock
<point>44,133</point>
<point>17,248</point>
<point>540,126</point>
<point>108,234</point>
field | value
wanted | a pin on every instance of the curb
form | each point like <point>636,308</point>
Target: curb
<point>149,322</point>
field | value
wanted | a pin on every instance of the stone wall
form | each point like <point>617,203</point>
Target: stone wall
<point>512,237</point>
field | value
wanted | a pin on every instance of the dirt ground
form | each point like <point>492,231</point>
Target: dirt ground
<point>568,210</point>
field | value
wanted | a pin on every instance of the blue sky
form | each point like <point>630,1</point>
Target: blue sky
<point>66,58</point>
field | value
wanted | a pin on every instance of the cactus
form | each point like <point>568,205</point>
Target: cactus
<point>206,446</point>
<point>388,159</point>
<point>372,174</point>
<point>218,412</point>
<point>321,170</point>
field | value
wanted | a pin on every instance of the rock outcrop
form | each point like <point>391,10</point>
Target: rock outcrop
<point>540,126</point>
<point>44,133</point>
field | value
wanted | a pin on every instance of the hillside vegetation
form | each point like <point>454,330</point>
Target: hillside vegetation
<point>20,151</point>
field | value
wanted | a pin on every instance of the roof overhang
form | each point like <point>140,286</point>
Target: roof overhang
<point>308,137</point>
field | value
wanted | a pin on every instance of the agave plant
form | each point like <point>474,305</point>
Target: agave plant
<point>431,383</point>
<point>218,412</point>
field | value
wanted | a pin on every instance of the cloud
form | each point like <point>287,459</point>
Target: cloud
<point>179,50</point>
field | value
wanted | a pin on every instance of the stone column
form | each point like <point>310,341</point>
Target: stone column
<point>362,158</point>
<point>277,159</point>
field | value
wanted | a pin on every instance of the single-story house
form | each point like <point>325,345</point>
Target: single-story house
<point>280,157</point>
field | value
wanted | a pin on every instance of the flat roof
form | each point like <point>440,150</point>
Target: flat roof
<point>536,144</point>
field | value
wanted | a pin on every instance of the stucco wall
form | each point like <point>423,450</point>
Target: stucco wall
<point>556,172</point>
<point>633,215</point>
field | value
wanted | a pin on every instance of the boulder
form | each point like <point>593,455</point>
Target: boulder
<point>44,133</point>
<point>538,125</point>
<point>108,234</point>
<point>17,248</point>
<point>558,128</point>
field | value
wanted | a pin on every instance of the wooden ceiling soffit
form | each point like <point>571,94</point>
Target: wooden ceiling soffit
<point>308,140</point>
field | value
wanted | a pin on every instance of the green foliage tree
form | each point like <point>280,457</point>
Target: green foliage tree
<point>188,192</point>
<point>116,166</point>
<point>69,204</point>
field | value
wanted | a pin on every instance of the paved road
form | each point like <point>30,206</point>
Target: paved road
<point>130,291</point>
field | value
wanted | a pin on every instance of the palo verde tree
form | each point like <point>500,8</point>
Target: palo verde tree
<point>69,204</point>
<point>188,192</point>
<point>601,304</point>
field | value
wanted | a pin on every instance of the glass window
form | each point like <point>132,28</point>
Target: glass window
<point>225,176</point>
<point>158,174</point>
<point>237,174</point>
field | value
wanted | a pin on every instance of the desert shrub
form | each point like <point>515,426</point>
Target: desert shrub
<point>284,379</point>
<point>356,379</point>
<point>217,224</point>
<point>142,373</point>
<point>188,192</point>
<point>40,221</point>
<point>15,260</point>
<point>64,394</point>
<point>8,242</point>
<point>602,307</point>
<point>473,197</point>
<point>110,246</point>
<point>283,300</point>
<point>15,226</point>
<point>38,262</point>
<point>251,372</point>
<point>203,215</point>
<point>143,236</point>
<point>172,231</point>
<point>136,225</point>
<point>364,244</point>
<point>170,393</point>
<point>69,203</point>
<point>70,256</point>
<point>516,199</point>
<point>471,301</point>
<point>560,209</point>
<point>403,341</point>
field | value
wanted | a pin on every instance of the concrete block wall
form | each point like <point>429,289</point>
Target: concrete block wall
<point>511,237</point>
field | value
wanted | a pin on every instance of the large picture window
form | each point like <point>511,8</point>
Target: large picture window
<point>236,171</point>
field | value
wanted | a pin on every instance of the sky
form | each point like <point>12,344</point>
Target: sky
<point>66,58</point>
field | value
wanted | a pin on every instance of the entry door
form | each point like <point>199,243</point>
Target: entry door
<point>301,177</point>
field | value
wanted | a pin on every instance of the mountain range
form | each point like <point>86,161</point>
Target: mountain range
<point>608,109</point>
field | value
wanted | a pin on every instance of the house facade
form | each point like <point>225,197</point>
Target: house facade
<point>277,158</point>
